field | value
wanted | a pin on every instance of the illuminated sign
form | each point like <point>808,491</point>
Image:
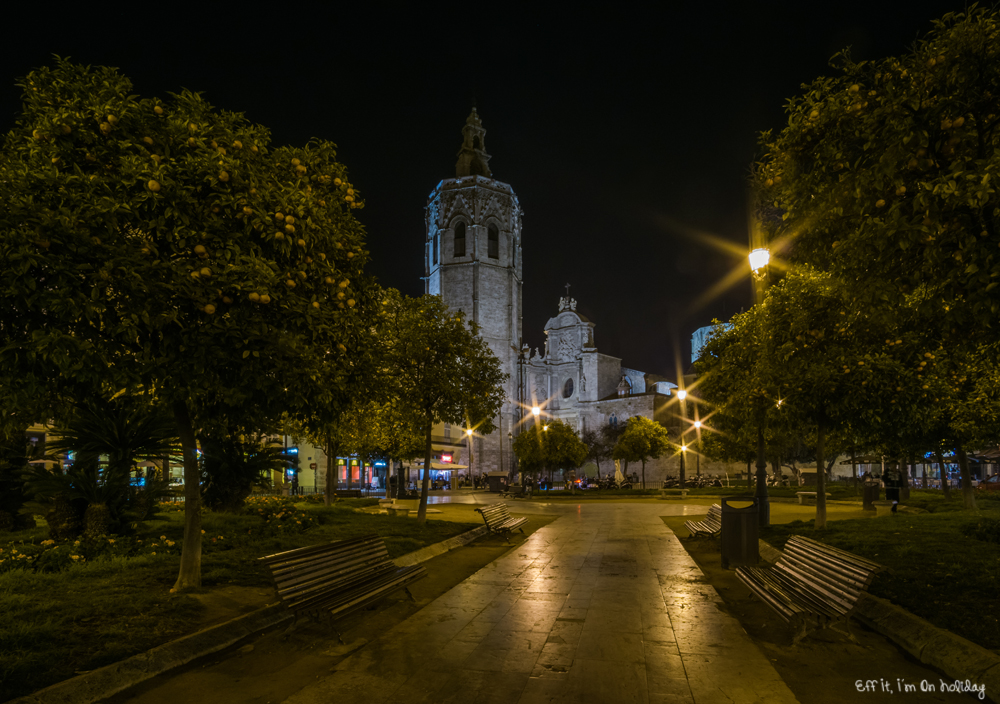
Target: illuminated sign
<point>445,458</point>
<point>379,463</point>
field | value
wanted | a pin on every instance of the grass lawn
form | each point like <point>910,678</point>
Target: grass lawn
<point>106,602</point>
<point>943,566</point>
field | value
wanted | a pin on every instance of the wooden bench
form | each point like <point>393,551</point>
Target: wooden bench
<point>710,526</point>
<point>812,586</point>
<point>811,495</point>
<point>347,493</point>
<point>499,520</point>
<point>338,578</point>
<point>516,491</point>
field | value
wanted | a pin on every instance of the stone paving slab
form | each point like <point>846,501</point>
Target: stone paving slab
<point>602,605</point>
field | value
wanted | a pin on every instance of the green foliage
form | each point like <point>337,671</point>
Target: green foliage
<point>232,466</point>
<point>885,173</point>
<point>642,440</point>
<point>164,244</point>
<point>441,370</point>
<point>985,529</point>
<point>549,446</point>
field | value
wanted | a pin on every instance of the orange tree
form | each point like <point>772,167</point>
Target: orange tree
<point>642,440</point>
<point>164,244</point>
<point>548,446</point>
<point>885,175</point>
<point>837,367</point>
<point>441,370</point>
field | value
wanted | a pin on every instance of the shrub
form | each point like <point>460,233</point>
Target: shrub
<point>985,529</point>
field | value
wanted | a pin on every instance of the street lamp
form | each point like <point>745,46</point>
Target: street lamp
<point>759,258</point>
<point>682,395</point>
<point>535,411</point>
<point>472,464</point>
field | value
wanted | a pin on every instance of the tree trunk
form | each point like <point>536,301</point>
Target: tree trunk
<point>854,471</point>
<point>190,571</point>
<point>400,491</point>
<point>968,495</point>
<point>945,486</point>
<point>425,485</point>
<point>923,466</point>
<point>330,460</point>
<point>749,475</point>
<point>820,477</point>
<point>643,473</point>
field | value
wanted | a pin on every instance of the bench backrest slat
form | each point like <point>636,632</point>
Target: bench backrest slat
<point>331,571</point>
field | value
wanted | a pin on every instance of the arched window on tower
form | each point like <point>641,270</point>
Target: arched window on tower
<point>434,254</point>
<point>460,239</point>
<point>494,242</point>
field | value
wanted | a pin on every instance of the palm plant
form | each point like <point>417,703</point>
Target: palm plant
<point>125,430</point>
<point>233,465</point>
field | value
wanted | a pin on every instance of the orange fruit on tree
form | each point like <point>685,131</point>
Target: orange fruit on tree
<point>209,309</point>
<point>265,299</point>
<point>254,297</point>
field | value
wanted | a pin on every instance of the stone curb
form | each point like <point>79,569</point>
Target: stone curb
<point>424,554</point>
<point>109,680</point>
<point>958,658</point>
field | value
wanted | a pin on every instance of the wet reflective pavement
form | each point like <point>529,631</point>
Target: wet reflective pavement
<point>602,605</point>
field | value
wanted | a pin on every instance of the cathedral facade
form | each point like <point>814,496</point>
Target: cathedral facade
<point>473,260</point>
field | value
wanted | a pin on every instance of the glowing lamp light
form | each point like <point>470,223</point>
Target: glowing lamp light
<point>545,427</point>
<point>468,432</point>
<point>535,410</point>
<point>682,394</point>
<point>697,424</point>
<point>684,448</point>
<point>759,258</point>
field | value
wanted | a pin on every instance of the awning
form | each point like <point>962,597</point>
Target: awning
<point>441,447</point>
<point>440,465</point>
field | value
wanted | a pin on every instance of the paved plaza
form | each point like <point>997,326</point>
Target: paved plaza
<point>602,605</point>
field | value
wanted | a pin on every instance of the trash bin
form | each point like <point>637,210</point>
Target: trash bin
<point>872,492</point>
<point>739,531</point>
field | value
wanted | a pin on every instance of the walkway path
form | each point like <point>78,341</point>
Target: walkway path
<point>602,605</point>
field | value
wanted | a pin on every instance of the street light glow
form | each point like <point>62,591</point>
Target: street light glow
<point>535,410</point>
<point>697,424</point>
<point>545,427</point>
<point>682,394</point>
<point>759,258</point>
<point>684,448</point>
<point>468,431</point>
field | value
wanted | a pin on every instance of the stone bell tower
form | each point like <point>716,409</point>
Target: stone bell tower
<point>472,259</point>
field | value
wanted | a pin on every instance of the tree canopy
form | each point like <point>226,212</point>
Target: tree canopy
<point>163,244</point>
<point>548,446</point>
<point>642,440</point>
<point>442,370</point>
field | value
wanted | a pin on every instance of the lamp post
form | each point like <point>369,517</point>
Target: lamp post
<point>759,258</point>
<point>682,396</point>
<point>472,463</point>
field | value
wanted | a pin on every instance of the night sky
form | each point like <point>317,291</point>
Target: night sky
<point>626,132</point>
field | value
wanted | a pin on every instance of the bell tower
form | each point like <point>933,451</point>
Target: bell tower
<point>472,259</point>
